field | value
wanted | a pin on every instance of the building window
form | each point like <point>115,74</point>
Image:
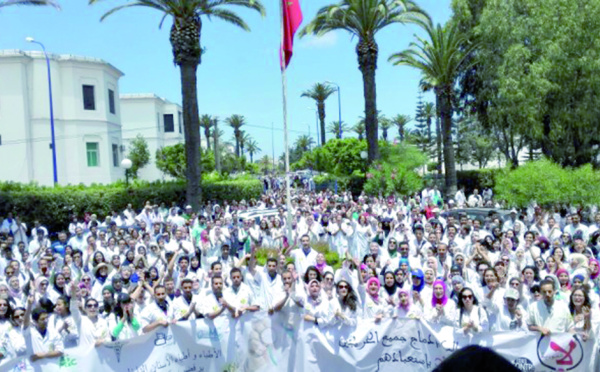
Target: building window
<point>180,121</point>
<point>89,102</point>
<point>168,122</point>
<point>115,149</point>
<point>111,101</point>
<point>93,155</point>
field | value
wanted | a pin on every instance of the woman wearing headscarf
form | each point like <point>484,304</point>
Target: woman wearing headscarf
<point>406,308</point>
<point>15,291</point>
<point>390,288</point>
<point>458,283</point>
<point>564,285</point>
<point>440,310</point>
<point>374,306</point>
<point>317,309</point>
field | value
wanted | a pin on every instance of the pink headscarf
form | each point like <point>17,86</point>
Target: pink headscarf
<point>375,280</point>
<point>407,307</point>
<point>442,301</point>
<point>594,275</point>
<point>560,271</point>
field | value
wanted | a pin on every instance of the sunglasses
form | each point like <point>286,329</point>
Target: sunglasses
<point>92,306</point>
<point>85,280</point>
<point>342,286</point>
<point>467,297</point>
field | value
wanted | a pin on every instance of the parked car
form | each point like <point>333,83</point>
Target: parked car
<point>258,214</point>
<point>477,213</point>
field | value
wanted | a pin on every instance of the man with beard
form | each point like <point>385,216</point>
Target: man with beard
<point>184,306</point>
<point>158,313</point>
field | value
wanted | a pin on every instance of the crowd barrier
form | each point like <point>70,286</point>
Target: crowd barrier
<point>259,342</point>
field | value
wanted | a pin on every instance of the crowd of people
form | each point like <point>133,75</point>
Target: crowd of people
<point>128,273</point>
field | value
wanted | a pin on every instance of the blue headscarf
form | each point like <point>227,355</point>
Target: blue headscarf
<point>419,274</point>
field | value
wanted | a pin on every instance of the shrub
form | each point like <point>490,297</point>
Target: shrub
<point>396,172</point>
<point>548,183</point>
<point>53,206</point>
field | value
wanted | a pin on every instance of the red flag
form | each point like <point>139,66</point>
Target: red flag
<point>292,17</point>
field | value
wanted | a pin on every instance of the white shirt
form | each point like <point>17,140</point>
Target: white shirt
<point>153,313</point>
<point>556,318</point>
<point>243,297</point>
<point>302,260</point>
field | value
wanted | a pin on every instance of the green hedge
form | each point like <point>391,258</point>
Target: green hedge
<point>52,206</point>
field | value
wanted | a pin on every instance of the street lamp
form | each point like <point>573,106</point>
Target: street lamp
<point>339,104</point>
<point>126,164</point>
<point>29,39</point>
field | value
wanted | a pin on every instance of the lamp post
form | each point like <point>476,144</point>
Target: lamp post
<point>339,105</point>
<point>32,40</point>
<point>126,164</point>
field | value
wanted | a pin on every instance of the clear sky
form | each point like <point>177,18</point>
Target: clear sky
<point>240,72</point>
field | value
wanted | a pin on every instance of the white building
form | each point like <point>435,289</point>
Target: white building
<point>159,121</point>
<point>86,119</point>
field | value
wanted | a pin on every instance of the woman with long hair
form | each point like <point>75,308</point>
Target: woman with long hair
<point>63,323</point>
<point>585,318</point>
<point>470,317</point>
<point>347,308</point>
<point>124,324</point>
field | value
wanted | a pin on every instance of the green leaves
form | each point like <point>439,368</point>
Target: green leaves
<point>548,183</point>
<point>138,154</point>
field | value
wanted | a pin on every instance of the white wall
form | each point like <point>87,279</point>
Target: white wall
<point>143,114</point>
<point>25,118</point>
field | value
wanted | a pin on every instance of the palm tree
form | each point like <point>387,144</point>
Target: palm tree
<point>252,148</point>
<point>359,128</point>
<point>429,113</point>
<point>187,54</point>
<point>52,3</point>
<point>236,122</point>
<point>320,92</point>
<point>207,122</point>
<point>266,164</point>
<point>363,19</point>
<point>385,124</point>
<point>440,59</point>
<point>401,121</point>
<point>245,138</point>
<point>304,142</point>
<point>334,127</point>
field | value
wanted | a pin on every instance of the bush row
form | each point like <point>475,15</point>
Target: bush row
<point>53,206</point>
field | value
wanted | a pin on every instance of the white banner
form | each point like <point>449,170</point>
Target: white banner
<point>260,343</point>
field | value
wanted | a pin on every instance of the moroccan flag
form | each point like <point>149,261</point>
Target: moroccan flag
<point>292,17</point>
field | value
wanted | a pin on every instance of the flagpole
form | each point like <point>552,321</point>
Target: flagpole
<point>285,131</point>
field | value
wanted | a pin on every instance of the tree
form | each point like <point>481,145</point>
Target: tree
<point>401,121</point>
<point>320,92</point>
<point>440,60</point>
<point>207,122</point>
<point>363,19</point>
<point>304,142</point>
<point>385,125</point>
<point>51,3</point>
<point>252,148</point>
<point>421,133</point>
<point>236,122</point>
<point>244,139</point>
<point>138,154</point>
<point>266,164</point>
<point>187,52</point>
<point>337,129</point>
<point>359,129</point>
